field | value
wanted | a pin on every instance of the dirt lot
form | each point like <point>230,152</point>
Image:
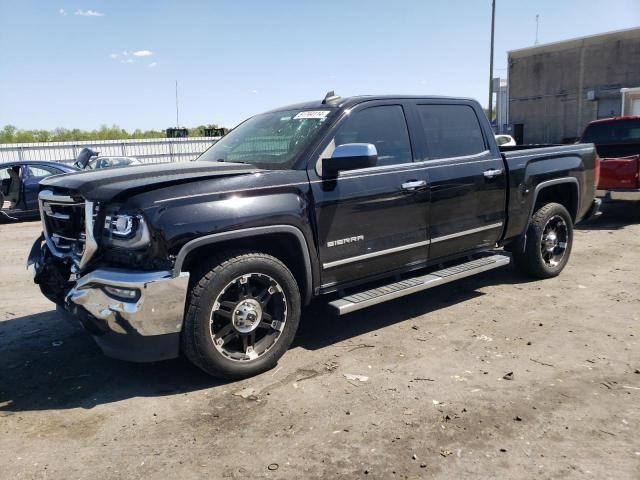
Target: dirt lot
<point>435,404</point>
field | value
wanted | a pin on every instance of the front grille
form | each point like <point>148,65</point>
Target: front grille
<point>65,225</point>
<point>64,222</point>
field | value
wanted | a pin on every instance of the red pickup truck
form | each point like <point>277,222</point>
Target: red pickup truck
<point>617,141</point>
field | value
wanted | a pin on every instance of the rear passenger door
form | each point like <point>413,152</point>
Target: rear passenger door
<point>370,221</point>
<point>466,179</point>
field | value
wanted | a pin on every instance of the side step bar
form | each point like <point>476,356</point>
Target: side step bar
<point>367,298</point>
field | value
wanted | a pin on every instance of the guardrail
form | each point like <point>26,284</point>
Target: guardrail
<point>148,150</point>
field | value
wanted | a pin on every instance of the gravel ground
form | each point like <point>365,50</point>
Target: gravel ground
<point>433,402</point>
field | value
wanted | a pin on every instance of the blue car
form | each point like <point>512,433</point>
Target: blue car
<point>19,186</point>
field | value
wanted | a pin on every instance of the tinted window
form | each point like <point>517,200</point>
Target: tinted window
<point>383,126</point>
<point>41,172</point>
<point>451,130</point>
<point>613,132</point>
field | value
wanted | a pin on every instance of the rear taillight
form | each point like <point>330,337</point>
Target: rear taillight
<point>596,171</point>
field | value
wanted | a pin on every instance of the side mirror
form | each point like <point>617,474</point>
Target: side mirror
<point>350,156</point>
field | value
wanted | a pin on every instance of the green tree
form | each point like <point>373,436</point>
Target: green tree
<point>12,134</point>
<point>493,114</point>
<point>7,134</point>
<point>199,130</point>
<point>24,136</point>
<point>42,135</point>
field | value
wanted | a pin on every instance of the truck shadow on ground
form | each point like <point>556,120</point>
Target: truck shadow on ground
<point>320,327</point>
<point>51,364</point>
<point>616,215</point>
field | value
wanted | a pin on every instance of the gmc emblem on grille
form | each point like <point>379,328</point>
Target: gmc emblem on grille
<point>344,241</point>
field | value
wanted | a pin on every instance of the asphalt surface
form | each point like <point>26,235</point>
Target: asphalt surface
<point>495,376</point>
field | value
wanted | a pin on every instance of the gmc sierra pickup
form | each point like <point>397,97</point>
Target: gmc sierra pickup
<point>361,200</point>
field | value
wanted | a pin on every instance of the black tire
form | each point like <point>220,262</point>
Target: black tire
<point>204,311</point>
<point>537,259</point>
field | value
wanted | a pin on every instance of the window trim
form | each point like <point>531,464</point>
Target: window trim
<point>487,147</point>
<point>346,114</point>
<point>484,156</point>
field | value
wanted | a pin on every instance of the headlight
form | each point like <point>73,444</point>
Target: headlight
<point>126,230</point>
<point>123,226</point>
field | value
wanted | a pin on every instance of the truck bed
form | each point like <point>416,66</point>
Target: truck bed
<point>530,168</point>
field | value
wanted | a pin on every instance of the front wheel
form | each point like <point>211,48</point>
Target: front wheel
<point>242,315</point>
<point>548,242</point>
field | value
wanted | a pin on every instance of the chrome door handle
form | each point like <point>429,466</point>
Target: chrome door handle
<point>412,185</point>
<point>492,172</point>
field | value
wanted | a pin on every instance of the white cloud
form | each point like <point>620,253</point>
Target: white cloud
<point>62,12</point>
<point>125,57</point>
<point>89,13</point>
<point>254,91</point>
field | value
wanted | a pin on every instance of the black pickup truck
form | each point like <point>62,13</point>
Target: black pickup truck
<point>361,200</point>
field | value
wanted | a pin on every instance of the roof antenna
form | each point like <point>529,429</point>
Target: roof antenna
<point>537,26</point>
<point>330,98</point>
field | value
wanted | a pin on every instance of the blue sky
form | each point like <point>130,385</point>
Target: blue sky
<point>236,58</point>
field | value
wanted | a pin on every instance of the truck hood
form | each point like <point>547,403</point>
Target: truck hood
<point>105,185</point>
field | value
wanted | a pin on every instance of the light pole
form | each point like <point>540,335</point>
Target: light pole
<point>177,117</point>
<point>493,21</point>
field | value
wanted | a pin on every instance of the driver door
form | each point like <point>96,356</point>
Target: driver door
<point>371,221</point>
<point>12,187</point>
<point>5,180</point>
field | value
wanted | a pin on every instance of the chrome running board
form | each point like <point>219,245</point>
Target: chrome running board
<point>357,301</point>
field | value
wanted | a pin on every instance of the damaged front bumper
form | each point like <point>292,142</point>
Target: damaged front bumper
<point>132,315</point>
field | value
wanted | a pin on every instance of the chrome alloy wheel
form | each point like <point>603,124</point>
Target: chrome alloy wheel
<point>554,241</point>
<point>248,317</point>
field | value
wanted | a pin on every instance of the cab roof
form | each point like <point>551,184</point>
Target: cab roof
<point>346,102</point>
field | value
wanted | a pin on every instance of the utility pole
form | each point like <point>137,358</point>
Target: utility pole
<point>177,117</point>
<point>493,21</point>
<point>537,25</point>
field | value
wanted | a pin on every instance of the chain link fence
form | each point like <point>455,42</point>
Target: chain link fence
<point>152,150</point>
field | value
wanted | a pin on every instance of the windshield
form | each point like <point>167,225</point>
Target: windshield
<point>619,131</point>
<point>270,140</point>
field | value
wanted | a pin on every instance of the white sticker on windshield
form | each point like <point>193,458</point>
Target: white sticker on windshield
<point>312,114</point>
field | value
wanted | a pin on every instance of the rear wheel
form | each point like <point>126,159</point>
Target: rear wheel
<point>548,242</point>
<point>242,315</point>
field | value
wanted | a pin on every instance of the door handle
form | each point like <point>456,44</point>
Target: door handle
<point>492,172</point>
<point>414,184</point>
